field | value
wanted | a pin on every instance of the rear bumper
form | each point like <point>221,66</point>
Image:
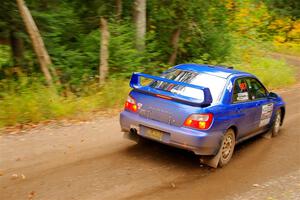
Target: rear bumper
<point>201,143</point>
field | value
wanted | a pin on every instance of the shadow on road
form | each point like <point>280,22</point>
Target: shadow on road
<point>183,159</point>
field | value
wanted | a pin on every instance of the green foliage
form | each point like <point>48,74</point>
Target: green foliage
<point>230,32</point>
<point>124,58</point>
<point>9,17</point>
<point>4,56</point>
<point>203,26</point>
<point>29,101</point>
<point>285,7</point>
<point>73,53</point>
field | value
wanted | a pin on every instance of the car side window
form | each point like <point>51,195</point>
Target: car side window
<point>256,89</point>
<point>240,91</point>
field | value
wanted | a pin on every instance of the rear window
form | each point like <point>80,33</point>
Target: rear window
<point>214,83</point>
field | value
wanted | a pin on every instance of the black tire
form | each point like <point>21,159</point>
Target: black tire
<point>227,147</point>
<point>276,124</point>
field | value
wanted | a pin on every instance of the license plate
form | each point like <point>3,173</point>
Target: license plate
<point>155,134</point>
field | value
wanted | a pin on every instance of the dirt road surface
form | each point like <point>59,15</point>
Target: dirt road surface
<point>92,161</point>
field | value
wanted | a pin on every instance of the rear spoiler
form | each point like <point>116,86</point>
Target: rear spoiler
<point>135,84</point>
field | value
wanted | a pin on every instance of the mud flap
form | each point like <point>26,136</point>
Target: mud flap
<point>212,161</point>
<point>268,135</point>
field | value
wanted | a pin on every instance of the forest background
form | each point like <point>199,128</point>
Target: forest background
<point>63,59</point>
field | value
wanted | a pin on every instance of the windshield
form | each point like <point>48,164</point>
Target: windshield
<point>214,83</point>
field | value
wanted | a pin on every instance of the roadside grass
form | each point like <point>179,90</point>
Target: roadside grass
<point>254,57</point>
<point>36,103</point>
<point>289,48</point>
<point>273,73</point>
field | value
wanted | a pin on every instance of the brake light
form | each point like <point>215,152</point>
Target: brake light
<point>130,104</point>
<point>199,121</point>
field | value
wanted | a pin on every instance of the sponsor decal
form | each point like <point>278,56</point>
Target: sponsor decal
<point>266,114</point>
<point>243,96</point>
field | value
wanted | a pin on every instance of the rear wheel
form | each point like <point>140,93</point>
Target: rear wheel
<point>227,147</point>
<point>225,151</point>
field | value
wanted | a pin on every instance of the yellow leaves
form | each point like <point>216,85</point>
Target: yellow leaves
<point>295,32</point>
<point>279,39</point>
<point>297,25</point>
<point>250,18</point>
<point>229,4</point>
<point>285,30</point>
<point>244,12</point>
<point>278,23</point>
<point>282,24</point>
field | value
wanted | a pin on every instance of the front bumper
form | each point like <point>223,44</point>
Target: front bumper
<point>199,142</point>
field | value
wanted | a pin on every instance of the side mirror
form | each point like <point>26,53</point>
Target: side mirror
<point>273,95</point>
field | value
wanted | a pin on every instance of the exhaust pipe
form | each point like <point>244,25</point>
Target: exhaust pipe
<point>132,135</point>
<point>133,131</point>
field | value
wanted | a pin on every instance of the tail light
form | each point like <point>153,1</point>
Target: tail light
<point>199,121</point>
<point>130,104</point>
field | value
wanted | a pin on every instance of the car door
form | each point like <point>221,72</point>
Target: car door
<point>243,108</point>
<point>264,105</point>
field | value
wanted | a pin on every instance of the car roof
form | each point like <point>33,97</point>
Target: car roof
<point>220,71</point>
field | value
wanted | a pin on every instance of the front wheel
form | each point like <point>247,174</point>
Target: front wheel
<point>276,124</point>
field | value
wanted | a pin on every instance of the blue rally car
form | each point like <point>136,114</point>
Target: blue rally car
<point>201,108</point>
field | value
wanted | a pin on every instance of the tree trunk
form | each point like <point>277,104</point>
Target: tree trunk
<point>119,9</point>
<point>37,42</point>
<point>174,43</point>
<point>104,52</point>
<point>140,23</point>
<point>17,48</point>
